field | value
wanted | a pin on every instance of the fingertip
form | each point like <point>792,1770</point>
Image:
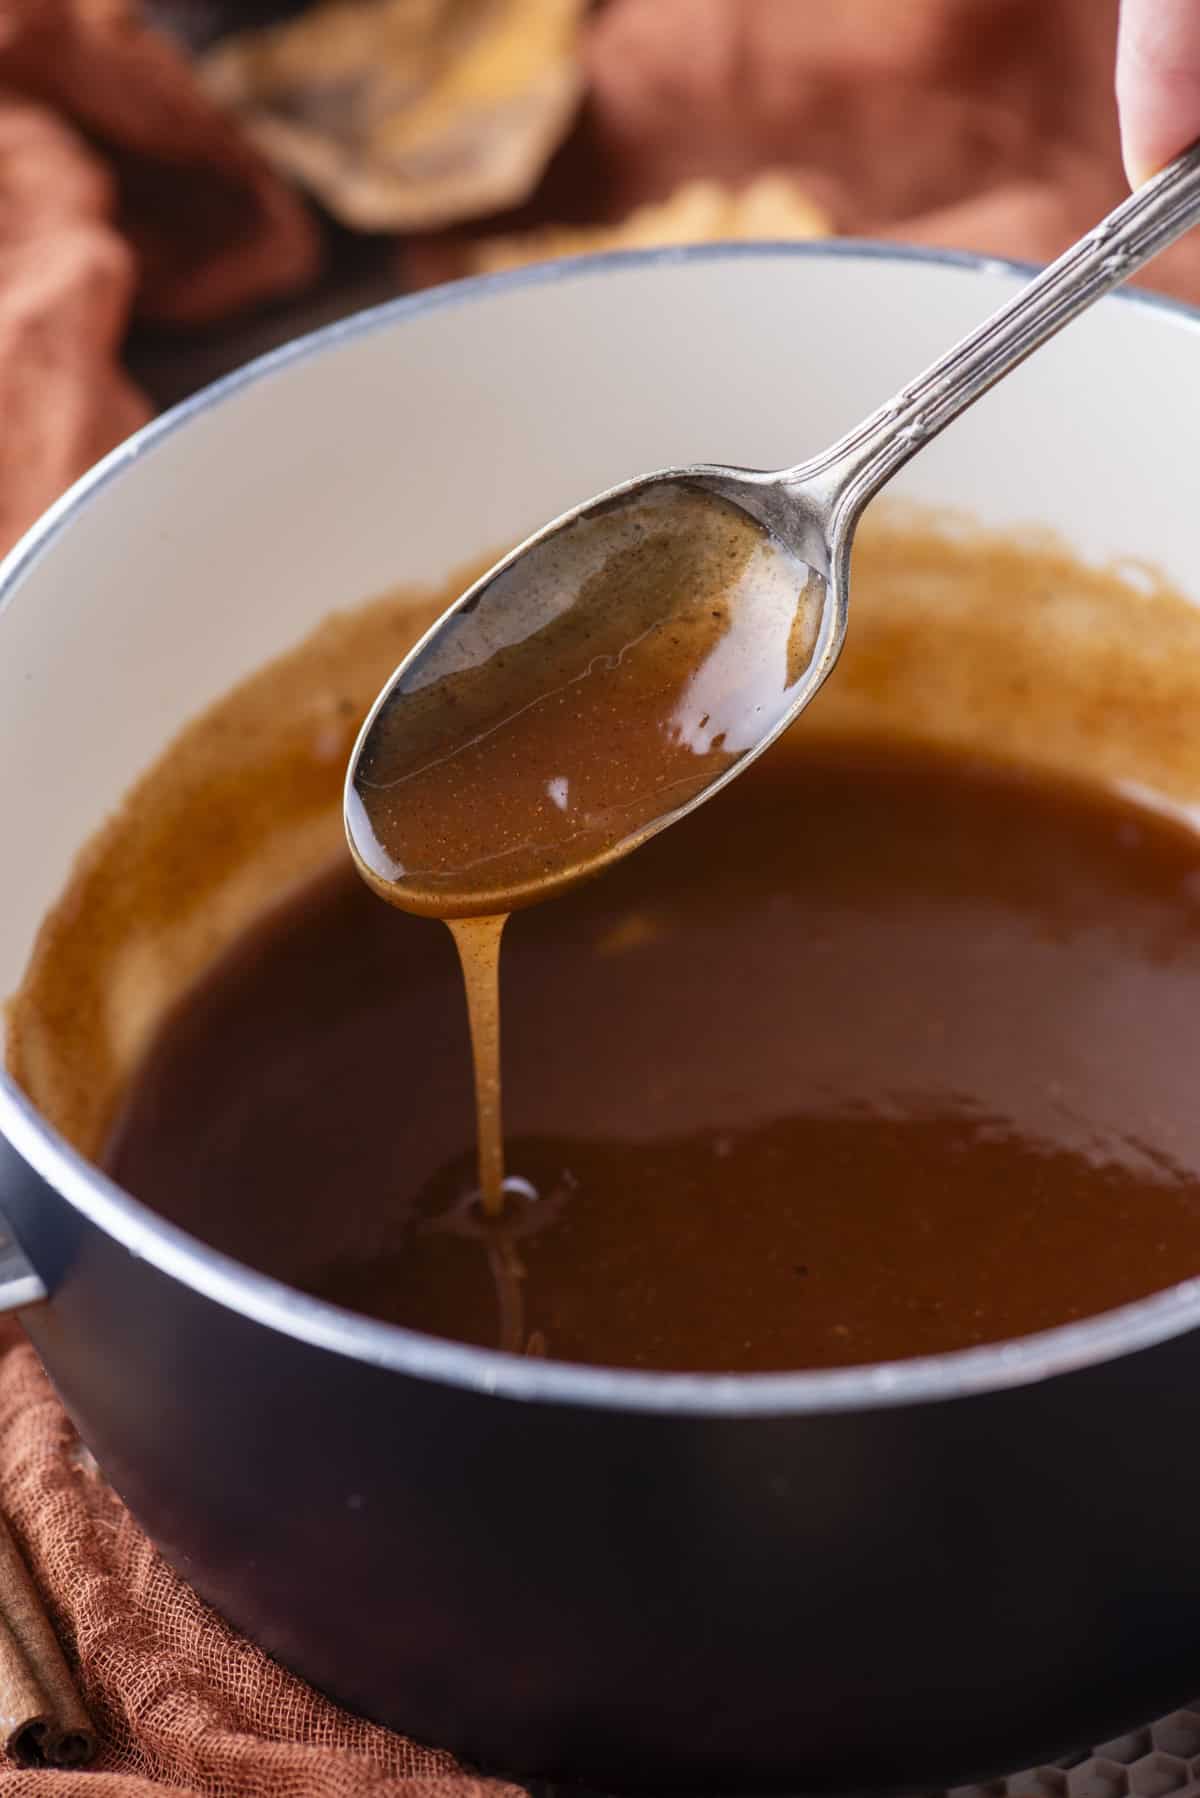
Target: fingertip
<point>1139,167</point>
<point>1145,156</point>
<point>1157,83</point>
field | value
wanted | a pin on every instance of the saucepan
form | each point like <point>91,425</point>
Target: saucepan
<point>874,1577</point>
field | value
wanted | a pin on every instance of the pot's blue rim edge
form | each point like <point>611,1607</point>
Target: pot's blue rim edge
<point>278,1306</point>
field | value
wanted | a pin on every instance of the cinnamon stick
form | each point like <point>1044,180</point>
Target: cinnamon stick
<point>42,1719</point>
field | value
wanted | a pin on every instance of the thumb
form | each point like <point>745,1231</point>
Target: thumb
<point>1158,82</point>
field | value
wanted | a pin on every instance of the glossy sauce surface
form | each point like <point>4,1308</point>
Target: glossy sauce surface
<point>880,1053</point>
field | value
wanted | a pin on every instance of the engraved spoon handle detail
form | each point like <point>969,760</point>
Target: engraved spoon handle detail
<point>853,470</point>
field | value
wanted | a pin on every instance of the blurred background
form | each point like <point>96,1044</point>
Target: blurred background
<point>184,183</point>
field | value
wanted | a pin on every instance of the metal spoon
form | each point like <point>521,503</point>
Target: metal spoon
<point>625,662</point>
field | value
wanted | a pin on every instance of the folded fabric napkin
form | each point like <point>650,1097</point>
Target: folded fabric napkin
<point>120,185</point>
<point>181,1702</point>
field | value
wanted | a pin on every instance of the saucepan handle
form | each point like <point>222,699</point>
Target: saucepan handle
<point>20,1283</point>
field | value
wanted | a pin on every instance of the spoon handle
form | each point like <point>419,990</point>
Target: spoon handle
<point>853,470</point>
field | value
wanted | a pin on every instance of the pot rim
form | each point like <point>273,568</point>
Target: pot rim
<point>274,1304</point>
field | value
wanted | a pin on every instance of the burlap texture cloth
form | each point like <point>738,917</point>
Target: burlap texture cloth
<point>982,124</point>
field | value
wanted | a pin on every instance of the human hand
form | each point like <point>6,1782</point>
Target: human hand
<point>1158,82</point>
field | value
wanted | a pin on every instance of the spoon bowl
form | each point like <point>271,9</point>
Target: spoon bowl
<point>600,682</point>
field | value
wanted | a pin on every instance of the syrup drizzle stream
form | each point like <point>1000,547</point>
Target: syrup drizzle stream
<point>478,943</point>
